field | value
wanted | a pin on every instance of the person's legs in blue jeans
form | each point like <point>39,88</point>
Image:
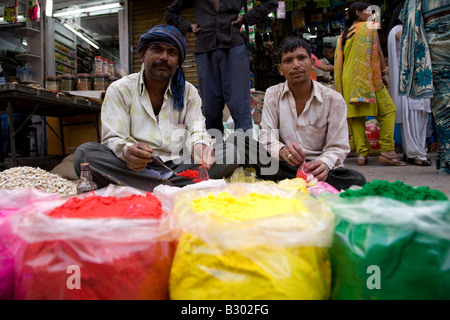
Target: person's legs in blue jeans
<point>224,77</point>
<point>235,67</point>
<point>210,86</point>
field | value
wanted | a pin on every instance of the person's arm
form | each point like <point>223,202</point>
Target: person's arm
<point>325,67</point>
<point>198,142</point>
<point>260,12</point>
<point>173,18</point>
<point>269,135</point>
<point>320,65</point>
<point>337,146</point>
<point>116,129</point>
<point>384,72</point>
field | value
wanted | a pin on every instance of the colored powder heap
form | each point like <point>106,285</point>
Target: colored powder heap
<point>107,269</point>
<point>134,206</point>
<point>191,174</point>
<point>389,249</point>
<point>206,271</point>
<point>395,190</point>
<point>252,206</point>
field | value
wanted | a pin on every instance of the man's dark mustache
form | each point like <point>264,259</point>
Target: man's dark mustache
<point>162,64</point>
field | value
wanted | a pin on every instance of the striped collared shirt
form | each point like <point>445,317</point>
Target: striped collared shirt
<point>321,130</point>
<point>128,118</point>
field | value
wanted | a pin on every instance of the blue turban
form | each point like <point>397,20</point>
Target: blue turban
<point>171,36</point>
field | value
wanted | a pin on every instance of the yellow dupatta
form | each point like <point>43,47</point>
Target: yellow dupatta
<point>366,73</point>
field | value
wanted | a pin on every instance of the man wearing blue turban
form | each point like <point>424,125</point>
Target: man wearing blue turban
<point>152,122</point>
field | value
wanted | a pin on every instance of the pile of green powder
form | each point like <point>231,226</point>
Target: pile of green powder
<point>395,190</point>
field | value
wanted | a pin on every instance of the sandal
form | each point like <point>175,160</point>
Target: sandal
<point>362,161</point>
<point>394,161</point>
<point>418,162</point>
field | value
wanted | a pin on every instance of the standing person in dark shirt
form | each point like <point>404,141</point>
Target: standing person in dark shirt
<point>223,67</point>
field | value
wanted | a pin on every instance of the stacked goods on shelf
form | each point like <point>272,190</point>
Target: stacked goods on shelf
<point>64,59</point>
<point>85,59</point>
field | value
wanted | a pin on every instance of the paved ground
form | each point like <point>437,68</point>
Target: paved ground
<point>412,175</point>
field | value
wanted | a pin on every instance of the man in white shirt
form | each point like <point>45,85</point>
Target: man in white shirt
<point>327,60</point>
<point>304,121</point>
<point>151,117</point>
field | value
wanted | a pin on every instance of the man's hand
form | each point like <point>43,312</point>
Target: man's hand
<point>292,154</point>
<point>238,22</point>
<point>318,169</point>
<point>195,29</point>
<point>385,81</point>
<point>204,154</point>
<point>137,156</point>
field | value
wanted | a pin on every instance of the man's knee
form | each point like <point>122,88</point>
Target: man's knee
<point>85,153</point>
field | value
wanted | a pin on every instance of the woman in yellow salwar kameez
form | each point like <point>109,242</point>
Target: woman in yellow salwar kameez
<point>362,77</point>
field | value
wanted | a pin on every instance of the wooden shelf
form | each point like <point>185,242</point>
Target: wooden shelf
<point>27,57</point>
<point>64,53</point>
<point>27,32</point>
<point>64,64</point>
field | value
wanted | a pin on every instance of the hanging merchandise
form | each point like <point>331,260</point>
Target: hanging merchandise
<point>11,11</point>
<point>33,11</point>
<point>298,20</point>
<point>251,34</point>
<point>373,133</point>
<point>322,3</point>
<point>250,5</point>
<point>299,3</point>
<point>289,5</point>
<point>281,11</point>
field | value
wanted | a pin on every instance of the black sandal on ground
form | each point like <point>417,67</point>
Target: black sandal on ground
<point>418,162</point>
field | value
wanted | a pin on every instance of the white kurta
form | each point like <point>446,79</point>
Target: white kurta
<point>412,114</point>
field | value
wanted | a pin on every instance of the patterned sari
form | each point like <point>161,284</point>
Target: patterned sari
<point>358,78</point>
<point>425,66</point>
<point>366,73</point>
<point>416,79</point>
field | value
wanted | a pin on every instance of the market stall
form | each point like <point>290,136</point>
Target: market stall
<point>236,239</point>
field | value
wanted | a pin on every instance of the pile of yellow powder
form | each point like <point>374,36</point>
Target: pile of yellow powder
<point>252,271</point>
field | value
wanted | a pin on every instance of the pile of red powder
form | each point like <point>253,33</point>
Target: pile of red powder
<point>191,174</point>
<point>134,206</point>
<point>108,270</point>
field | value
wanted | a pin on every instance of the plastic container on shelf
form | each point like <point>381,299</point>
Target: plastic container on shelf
<point>101,81</point>
<point>68,82</point>
<point>112,66</point>
<point>84,82</point>
<point>53,83</point>
<point>112,79</point>
<point>106,66</point>
<point>98,63</point>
